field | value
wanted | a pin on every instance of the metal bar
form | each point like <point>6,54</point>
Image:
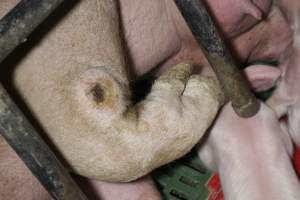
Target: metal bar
<point>38,157</point>
<point>17,25</point>
<point>234,84</point>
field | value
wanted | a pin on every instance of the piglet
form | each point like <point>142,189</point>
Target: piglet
<point>286,98</point>
<point>251,156</point>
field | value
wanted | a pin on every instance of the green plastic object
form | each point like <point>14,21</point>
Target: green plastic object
<point>184,179</point>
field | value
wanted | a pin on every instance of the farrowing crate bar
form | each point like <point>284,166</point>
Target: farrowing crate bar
<point>218,55</point>
<point>15,27</point>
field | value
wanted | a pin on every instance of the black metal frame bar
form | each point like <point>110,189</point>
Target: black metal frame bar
<point>218,55</point>
<point>18,24</point>
<point>15,27</point>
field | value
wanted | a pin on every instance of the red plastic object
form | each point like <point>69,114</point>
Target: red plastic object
<point>297,161</point>
<point>214,188</point>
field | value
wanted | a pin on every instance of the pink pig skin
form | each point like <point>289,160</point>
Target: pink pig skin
<point>286,98</point>
<point>251,156</point>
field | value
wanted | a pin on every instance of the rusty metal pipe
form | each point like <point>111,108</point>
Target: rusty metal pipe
<point>204,30</point>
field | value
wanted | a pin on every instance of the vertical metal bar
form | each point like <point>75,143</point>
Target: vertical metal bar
<point>38,157</point>
<point>15,27</point>
<point>234,84</point>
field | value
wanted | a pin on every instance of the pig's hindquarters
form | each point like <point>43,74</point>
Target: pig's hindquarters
<point>75,83</point>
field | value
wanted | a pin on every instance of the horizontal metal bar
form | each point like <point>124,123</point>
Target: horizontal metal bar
<point>18,24</point>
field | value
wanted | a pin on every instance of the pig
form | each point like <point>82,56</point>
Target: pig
<point>87,92</point>
<point>141,189</point>
<point>171,40</point>
<point>286,98</point>
<point>201,87</point>
<point>178,43</point>
<point>252,156</point>
<point>75,82</point>
<point>18,183</point>
<point>267,41</point>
